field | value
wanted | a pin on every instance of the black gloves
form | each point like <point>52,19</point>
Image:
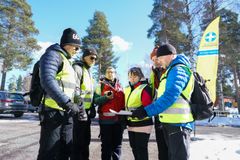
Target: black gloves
<point>139,113</point>
<point>71,108</point>
<point>92,111</point>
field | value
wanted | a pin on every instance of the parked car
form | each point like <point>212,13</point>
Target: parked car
<point>32,108</point>
<point>12,103</point>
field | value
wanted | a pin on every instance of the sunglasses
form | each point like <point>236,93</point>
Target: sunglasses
<point>93,58</point>
<point>76,49</point>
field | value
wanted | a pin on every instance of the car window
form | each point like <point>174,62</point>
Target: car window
<point>15,96</point>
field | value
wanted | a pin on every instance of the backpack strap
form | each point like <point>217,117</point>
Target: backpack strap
<point>178,64</point>
<point>185,66</point>
<point>185,98</point>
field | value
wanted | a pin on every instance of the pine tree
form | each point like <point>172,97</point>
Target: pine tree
<point>167,17</point>
<point>210,8</point>
<point>191,19</point>
<point>19,83</point>
<point>12,86</point>
<point>229,39</point>
<point>99,37</point>
<point>16,36</point>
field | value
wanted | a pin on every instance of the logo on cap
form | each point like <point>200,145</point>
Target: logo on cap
<point>75,36</point>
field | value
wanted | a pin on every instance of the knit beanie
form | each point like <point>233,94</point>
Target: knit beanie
<point>70,37</point>
<point>89,51</point>
<point>166,49</point>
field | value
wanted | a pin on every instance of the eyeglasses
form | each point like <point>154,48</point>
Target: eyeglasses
<point>93,58</point>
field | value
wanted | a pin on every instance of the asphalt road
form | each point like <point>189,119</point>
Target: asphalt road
<point>19,139</point>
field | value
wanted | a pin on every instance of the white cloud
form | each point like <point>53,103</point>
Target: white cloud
<point>120,45</point>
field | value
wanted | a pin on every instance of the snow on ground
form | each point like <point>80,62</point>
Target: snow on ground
<point>217,146</point>
<point>204,145</point>
<point>233,121</point>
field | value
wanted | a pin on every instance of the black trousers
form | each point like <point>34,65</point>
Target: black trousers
<point>81,139</point>
<point>161,144</point>
<point>111,137</point>
<point>178,142</point>
<point>56,136</point>
<point>139,144</point>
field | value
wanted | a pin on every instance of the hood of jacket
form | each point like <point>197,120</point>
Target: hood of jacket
<point>81,63</point>
<point>58,48</point>
<point>181,59</point>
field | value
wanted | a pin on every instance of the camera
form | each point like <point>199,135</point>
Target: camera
<point>109,93</point>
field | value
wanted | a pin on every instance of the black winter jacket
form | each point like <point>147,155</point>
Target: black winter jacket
<point>50,64</point>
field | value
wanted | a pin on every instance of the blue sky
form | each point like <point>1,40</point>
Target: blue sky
<point>127,19</point>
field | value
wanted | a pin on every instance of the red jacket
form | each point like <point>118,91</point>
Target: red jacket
<point>117,103</point>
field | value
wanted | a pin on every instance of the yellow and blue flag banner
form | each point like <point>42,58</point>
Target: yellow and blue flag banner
<point>207,56</point>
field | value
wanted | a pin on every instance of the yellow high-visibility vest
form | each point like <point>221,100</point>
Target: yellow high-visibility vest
<point>67,81</point>
<point>87,88</point>
<point>180,111</point>
<point>133,100</point>
<point>151,79</point>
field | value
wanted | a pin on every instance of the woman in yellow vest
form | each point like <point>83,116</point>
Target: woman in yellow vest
<point>138,95</point>
<point>174,111</point>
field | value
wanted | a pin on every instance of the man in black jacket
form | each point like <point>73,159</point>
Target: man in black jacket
<point>57,78</point>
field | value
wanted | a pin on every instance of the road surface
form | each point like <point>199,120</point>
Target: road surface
<point>19,141</point>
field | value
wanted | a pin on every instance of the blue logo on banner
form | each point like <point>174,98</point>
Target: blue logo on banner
<point>210,37</point>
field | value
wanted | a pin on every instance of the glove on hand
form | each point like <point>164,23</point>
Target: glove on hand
<point>82,115</point>
<point>139,113</point>
<point>92,111</point>
<point>71,108</point>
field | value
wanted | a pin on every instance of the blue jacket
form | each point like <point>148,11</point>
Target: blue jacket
<point>50,64</point>
<point>176,82</point>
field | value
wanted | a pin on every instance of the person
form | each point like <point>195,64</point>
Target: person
<point>109,95</point>
<point>81,126</point>
<point>57,105</point>
<point>156,72</point>
<point>138,95</point>
<point>175,113</point>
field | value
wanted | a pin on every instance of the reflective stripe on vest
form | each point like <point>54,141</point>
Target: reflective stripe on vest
<point>66,80</point>
<point>133,100</point>
<point>180,111</point>
<point>87,89</point>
